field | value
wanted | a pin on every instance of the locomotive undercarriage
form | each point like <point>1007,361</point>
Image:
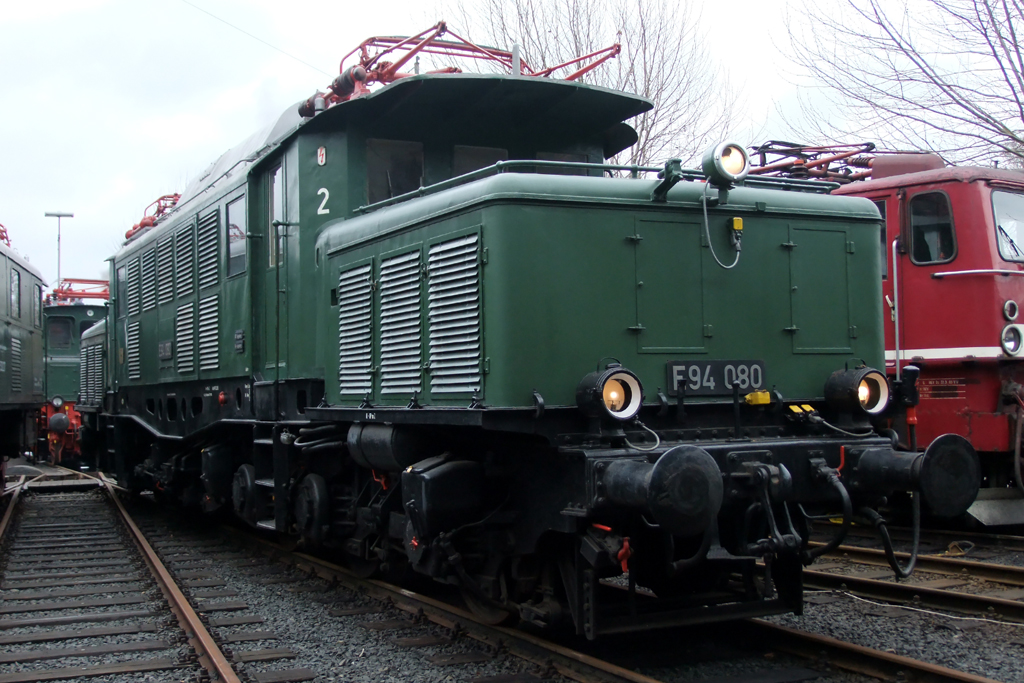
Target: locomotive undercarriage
<point>526,530</point>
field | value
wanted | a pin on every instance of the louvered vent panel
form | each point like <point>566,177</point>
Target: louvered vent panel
<point>185,338</point>
<point>209,321</point>
<point>208,250</point>
<point>133,287</point>
<point>355,346</point>
<point>98,361</point>
<point>453,312</point>
<point>165,270</point>
<point>16,386</point>
<point>400,325</point>
<point>184,260</point>
<point>88,388</point>
<point>84,376</point>
<point>149,280</point>
<point>134,355</point>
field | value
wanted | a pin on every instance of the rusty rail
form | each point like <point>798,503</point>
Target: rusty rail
<point>210,656</point>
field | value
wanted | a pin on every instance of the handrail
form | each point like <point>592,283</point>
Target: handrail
<point>980,271</point>
<point>634,170</point>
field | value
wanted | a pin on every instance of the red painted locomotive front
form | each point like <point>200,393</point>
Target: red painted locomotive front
<point>946,286</point>
<point>61,446</point>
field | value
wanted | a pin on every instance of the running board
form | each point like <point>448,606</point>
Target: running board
<point>998,507</point>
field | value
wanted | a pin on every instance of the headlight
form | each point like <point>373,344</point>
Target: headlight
<point>859,390</point>
<point>725,164</point>
<point>57,402</point>
<point>1010,310</point>
<point>613,392</point>
<point>1011,339</point>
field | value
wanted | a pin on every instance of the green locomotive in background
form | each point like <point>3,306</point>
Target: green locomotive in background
<point>21,351</point>
<point>427,326</point>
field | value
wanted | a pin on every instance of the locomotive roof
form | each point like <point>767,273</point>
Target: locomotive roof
<point>461,102</point>
<point>962,174</point>
<point>21,261</point>
<point>97,330</point>
<point>342,233</point>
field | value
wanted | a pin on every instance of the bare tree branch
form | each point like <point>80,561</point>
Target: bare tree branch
<point>664,58</point>
<point>943,75</point>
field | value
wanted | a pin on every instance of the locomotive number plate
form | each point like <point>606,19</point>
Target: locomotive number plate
<point>714,377</point>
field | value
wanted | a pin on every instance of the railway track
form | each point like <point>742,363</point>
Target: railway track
<point>84,595</point>
<point>67,523</point>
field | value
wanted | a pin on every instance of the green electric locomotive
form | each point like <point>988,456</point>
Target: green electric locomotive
<point>21,351</point>
<point>427,326</point>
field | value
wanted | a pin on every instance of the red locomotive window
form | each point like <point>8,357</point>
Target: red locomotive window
<point>392,168</point>
<point>58,333</point>
<point>236,236</point>
<point>932,238</point>
<point>1008,210</point>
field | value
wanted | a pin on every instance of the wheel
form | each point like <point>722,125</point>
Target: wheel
<point>244,495</point>
<point>312,508</point>
<point>489,612</point>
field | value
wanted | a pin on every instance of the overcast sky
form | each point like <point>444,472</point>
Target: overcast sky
<point>107,104</point>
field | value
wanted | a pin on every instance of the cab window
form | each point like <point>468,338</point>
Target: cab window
<point>58,333</point>
<point>236,228</point>
<point>122,292</point>
<point>393,167</point>
<point>37,305</point>
<point>466,159</point>
<point>1008,212</point>
<point>932,239</point>
<point>15,293</point>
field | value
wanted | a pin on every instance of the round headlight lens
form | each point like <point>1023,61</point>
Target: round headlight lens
<point>1010,310</point>
<point>873,393</point>
<point>1011,340</point>
<point>615,395</point>
<point>612,392</point>
<point>57,402</point>
<point>725,164</point>
<point>733,160</point>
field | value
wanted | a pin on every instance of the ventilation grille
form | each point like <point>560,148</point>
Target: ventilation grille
<point>165,270</point>
<point>185,338</point>
<point>355,363</point>
<point>149,280</point>
<point>16,386</point>
<point>98,360</point>
<point>133,286</point>
<point>134,358</point>
<point>83,372</point>
<point>453,310</point>
<point>184,260</point>
<point>400,325</point>
<point>209,319</point>
<point>208,250</point>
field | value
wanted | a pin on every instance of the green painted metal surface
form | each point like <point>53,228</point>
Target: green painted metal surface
<point>65,326</point>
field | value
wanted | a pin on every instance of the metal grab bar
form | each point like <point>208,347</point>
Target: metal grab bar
<point>988,271</point>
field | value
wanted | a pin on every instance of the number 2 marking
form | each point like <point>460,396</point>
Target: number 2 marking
<point>323,205</point>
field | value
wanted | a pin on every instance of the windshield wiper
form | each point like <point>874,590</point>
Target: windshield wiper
<point>1013,245</point>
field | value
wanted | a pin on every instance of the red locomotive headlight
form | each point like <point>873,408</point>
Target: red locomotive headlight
<point>1011,339</point>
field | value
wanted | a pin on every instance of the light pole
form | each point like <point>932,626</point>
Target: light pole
<point>58,215</point>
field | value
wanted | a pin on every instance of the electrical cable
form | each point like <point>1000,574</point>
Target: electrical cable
<point>707,231</point>
<point>657,439</point>
<point>272,47</point>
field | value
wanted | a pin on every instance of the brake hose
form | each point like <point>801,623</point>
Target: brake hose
<point>883,531</point>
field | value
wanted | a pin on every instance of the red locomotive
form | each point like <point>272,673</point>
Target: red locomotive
<point>953,282</point>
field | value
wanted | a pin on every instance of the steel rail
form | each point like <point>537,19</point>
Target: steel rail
<point>848,656</point>
<point>856,658</point>
<point>996,573</point>
<point>542,653</point>
<point>9,513</point>
<point>210,656</point>
<point>1005,542</point>
<point>923,596</point>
